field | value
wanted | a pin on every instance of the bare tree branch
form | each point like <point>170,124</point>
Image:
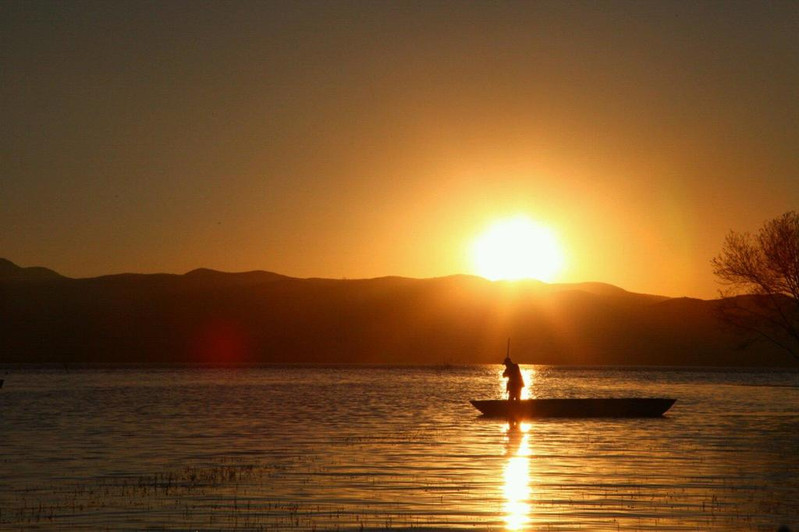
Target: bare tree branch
<point>765,267</point>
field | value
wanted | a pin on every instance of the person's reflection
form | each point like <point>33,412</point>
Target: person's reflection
<point>517,476</point>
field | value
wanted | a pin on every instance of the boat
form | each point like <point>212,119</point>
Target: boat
<point>607,407</point>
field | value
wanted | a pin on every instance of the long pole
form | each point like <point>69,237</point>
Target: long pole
<point>507,354</point>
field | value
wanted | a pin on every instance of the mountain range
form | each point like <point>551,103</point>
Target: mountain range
<point>259,317</point>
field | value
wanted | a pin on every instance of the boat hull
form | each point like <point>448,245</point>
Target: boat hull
<point>574,408</point>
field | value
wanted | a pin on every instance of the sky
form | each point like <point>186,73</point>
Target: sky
<point>361,139</point>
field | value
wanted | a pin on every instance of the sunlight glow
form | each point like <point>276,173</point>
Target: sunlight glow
<point>528,373</point>
<point>517,478</point>
<point>529,379</point>
<point>517,248</point>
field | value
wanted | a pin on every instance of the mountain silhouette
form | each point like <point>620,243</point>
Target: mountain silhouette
<point>206,316</point>
<point>11,272</point>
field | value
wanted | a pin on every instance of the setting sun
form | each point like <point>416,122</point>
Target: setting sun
<point>517,248</point>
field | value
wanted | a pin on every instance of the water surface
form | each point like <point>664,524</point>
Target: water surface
<point>390,447</point>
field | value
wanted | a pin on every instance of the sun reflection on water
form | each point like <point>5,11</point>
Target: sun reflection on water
<point>517,477</point>
<point>529,374</point>
<point>529,379</point>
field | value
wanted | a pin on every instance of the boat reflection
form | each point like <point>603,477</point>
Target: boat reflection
<point>517,477</point>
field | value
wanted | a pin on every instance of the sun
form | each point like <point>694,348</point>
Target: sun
<point>517,248</point>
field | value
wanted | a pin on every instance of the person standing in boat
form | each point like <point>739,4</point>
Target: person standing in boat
<point>515,380</point>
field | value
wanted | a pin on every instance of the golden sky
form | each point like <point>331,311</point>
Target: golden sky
<point>362,139</point>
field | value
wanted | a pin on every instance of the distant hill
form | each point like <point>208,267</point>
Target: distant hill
<point>207,316</point>
<point>11,272</point>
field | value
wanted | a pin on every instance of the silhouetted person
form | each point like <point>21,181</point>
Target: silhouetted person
<point>515,380</point>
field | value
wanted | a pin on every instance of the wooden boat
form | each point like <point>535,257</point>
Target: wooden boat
<point>574,408</point>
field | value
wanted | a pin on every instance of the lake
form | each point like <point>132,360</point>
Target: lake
<point>350,447</point>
